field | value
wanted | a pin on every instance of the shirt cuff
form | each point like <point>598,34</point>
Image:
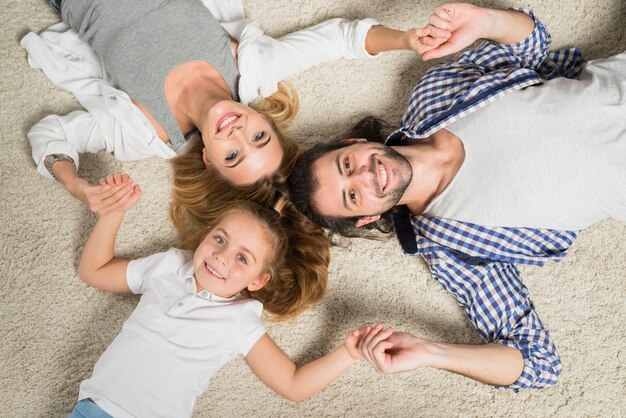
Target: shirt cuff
<point>539,39</point>
<point>531,377</point>
<point>360,33</point>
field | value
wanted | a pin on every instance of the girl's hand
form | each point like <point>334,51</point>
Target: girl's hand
<point>371,337</point>
<point>465,22</point>
<point>125,193</point>
<point>352,339</point>
<point>114,193</point>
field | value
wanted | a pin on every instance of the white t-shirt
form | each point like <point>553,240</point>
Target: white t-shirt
<point>172,343</point>
<point>550,156</point>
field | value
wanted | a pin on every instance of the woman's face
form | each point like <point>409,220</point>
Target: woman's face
<point>240,144</point>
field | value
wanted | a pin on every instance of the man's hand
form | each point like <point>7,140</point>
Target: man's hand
<point>393,352</point>
<point>465,22</point>
<point>115,193</point>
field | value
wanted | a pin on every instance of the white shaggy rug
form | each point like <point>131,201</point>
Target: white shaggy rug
<point>53,327</point>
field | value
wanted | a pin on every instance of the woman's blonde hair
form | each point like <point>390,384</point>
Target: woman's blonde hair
<point>200,195</point>
<point>297,263</point>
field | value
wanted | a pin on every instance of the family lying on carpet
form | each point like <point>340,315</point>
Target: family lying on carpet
<point>551,164</point>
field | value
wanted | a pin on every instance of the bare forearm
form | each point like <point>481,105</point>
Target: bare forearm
<point>318,374</point>
<point>280,374</point>
<point>493,364</point>
<point>100,247</point>
<point>65,172</point>
<point>506,26</point>
<point>380,39</point>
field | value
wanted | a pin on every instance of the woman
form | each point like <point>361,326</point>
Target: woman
<point>162,84</point>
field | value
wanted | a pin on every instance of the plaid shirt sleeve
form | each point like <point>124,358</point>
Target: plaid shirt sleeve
<point>494,298</point>
<point>533,53</point>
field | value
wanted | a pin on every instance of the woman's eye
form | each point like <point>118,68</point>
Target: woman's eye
<point>352,196</point>
<point>346,165</point>
<point>258,136</point>
<point>232,155</point>
<point>242,259</point>
<point>219,240</point>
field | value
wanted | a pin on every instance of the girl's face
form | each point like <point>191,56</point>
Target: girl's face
<point>240,144</point>
<point>232,256</point>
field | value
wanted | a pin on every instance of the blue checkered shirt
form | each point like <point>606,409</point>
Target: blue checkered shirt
<point>477,264</point>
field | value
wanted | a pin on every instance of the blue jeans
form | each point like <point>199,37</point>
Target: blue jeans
<point>56,4</point>
<point>87,409</point>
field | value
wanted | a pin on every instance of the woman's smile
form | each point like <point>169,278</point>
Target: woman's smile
<point>226,121</point>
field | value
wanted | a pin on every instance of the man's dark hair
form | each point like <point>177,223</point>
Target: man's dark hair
<point>303,183</point>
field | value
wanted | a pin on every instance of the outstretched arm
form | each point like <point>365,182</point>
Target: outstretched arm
<point>265,61</point>
<point>519,352</point>
<point>382,39</point>
<point>281,375</point>
<point>493,364</point>
<point>468,23</point>
<point>98,265</point>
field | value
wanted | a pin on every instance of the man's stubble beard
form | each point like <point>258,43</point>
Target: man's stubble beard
<point>401,169</point>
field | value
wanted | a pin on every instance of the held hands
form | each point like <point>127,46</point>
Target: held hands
<point>392,352</point>
<point>452,27</point>
<point>116,193</point>
<point>352,339</point>
<point>422,40</point>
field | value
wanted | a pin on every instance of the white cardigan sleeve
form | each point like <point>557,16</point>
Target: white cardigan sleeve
<point>112,122</point>
<point>265,61</point>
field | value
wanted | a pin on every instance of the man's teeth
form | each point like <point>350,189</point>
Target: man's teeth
<point>226,121</point>
<point>383,175</point>
<point>215,273</point>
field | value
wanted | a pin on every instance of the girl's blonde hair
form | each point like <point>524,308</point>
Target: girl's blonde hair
<point>297,262</point>
<point>201,196</point>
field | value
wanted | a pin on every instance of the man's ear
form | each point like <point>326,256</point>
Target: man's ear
<point>351,141</point>
<point>259,283</point>
<point>204,158</point>
<point>366,220</point>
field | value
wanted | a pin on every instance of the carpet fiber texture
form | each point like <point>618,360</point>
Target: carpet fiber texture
<point>53,327</point>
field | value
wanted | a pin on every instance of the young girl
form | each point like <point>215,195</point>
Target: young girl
<point>197,311</point>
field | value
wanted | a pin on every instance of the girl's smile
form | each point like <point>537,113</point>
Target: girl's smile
<point>233,256</point>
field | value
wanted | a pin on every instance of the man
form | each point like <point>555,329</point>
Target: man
<point>487,187</point>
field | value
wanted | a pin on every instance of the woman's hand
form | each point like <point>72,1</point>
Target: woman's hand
<point>114,193</point>
<point>425,39</point>
<point>465,22</point>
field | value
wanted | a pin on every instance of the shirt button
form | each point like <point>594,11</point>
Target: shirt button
<point>204,293</point>
<point>180,304</point>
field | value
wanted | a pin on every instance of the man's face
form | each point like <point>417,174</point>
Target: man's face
<point>363,179</point>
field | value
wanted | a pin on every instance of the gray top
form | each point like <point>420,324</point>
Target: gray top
<point>141,41</point>
<point>549,156</point>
